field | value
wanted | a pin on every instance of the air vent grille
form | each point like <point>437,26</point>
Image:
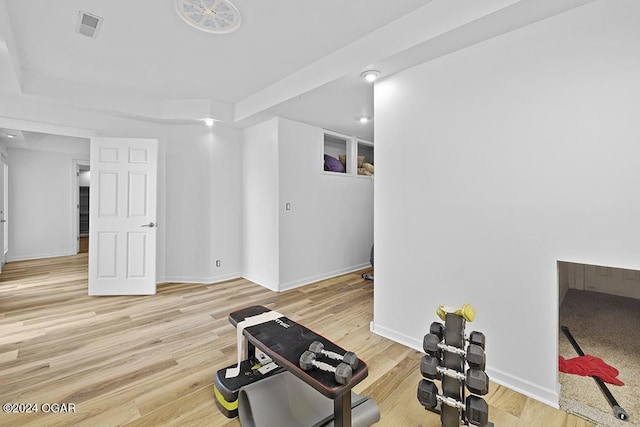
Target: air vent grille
<point>88,24</point>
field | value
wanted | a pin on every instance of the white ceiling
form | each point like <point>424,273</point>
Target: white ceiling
<point>294,58</point>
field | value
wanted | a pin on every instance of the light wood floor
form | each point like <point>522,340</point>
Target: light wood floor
<point>151,360</point>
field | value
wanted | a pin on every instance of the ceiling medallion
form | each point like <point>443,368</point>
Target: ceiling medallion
<point>212,16</point>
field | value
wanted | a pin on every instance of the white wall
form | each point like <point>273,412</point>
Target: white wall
<point>203,187</point>
<point>40,199</point>
<point>494,163</point>
<point>260,199</point>
<point>329,228</point>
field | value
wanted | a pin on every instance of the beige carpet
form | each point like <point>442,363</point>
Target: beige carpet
<point>608,327</point>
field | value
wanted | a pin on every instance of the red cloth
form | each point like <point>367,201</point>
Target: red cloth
<point>589,366</point>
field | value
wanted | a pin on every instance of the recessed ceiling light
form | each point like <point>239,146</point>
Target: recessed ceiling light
<point>208,122</point>
<point>371,76</point>
<point>211,16</point>
<point>364,119</point>
<point>10,135</point>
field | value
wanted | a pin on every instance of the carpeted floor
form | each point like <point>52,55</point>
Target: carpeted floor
<point>608,327</point>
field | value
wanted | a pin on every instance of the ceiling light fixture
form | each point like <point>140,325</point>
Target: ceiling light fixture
<point>10,135</point>
<point>208,122</point>
<point>211,16</point>
<point>371,76</point>
<point>364,119</point>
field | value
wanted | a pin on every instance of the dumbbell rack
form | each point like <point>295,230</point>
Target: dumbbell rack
<point>453,387</point>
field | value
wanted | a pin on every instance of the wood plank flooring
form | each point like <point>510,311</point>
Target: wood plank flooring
<point>151,360</point>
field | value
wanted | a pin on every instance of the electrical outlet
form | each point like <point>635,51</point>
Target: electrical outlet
<point>217,263</point>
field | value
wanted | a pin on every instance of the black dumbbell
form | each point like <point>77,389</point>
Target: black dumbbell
<point>477,381</point>
<point>474,354</point>
<point>476,357</point>
<point>349,357</point>
<point>342,372</point>
<point>430,344</point>
<point>437,329</point>
<point>477,338</point>
<point>430,368</point>
<point>476,411</point>
<point>428,396</point>
<point>433,345</point>
<point>429,365</point>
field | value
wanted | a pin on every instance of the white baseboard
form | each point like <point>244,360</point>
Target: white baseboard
<point>37,256</point>
<point>544,395</point>
<point>261,282</point>
<point>199,279</point>
<point>312,279</point>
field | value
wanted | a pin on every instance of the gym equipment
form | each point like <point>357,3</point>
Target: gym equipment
<point>429,365</point>
<point>477,338</point>
<point>476,380</point>
<point>448,351</point>
<point>465,311</point>
<point>284,400</point>
<point>428,394</point>
<point>476,410</point>
<point>433,346</point>
<point>474,354</point>
<point>366,276</point>
<point>476,357</point>
<point>284,340</point>
<point>342,372</point>
<point>348,357</point>
<point>226,389</point>
<point>437,329</point>
<point>618,412</point>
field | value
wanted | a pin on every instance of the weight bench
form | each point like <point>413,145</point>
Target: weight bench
<point>295,397</point>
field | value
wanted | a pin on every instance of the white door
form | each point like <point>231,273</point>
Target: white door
<point>122,216</point>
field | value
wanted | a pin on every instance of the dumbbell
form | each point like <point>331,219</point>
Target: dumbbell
<point>477,381</point>
<point>474,354</point>
<point>432,344</point>
<point>437,329</point>
<point>349,357</point>
<point>476,357</point>
<point>430,368</point>
<point>477,338</point>
<point>476,411</point>
<point>342,372</point>
<point>428,396</point>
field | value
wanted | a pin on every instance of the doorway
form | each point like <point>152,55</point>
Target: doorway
<point>84,184</point>
<point>600,305</point>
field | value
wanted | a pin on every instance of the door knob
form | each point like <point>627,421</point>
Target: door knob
<point>151,225</point>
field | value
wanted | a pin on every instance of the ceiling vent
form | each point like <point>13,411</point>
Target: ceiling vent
<point>88,24</point>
